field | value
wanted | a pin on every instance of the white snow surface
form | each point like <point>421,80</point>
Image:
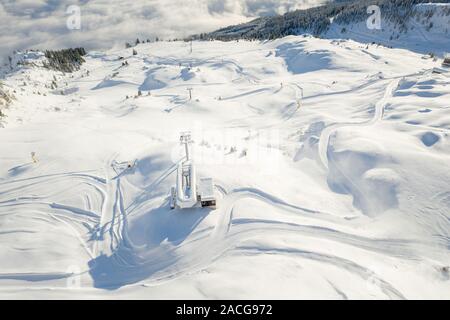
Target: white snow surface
<point>426,31</point>
<point>330,160</point>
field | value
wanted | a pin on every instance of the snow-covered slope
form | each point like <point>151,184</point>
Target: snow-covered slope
<point>412,24</point>
<point>330,160</point>
<point>425,28</point>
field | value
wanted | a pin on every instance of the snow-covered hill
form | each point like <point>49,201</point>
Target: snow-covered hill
<point>425,28</point>
<point>409,24</point>
<point>330,159</point>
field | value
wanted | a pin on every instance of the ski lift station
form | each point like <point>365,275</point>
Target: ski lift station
<point>188,191</point>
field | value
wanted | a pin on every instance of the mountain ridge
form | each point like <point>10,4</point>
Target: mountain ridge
<point>347,19</point>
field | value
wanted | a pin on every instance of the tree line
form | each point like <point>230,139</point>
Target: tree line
<point>317,20</point>
<point>65,60</point>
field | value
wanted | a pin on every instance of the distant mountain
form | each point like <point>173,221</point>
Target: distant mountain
<point>418,20</point>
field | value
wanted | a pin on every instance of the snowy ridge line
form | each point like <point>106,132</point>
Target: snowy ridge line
<point>398,26</point>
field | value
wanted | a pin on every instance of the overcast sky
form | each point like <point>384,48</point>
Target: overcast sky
<point>42,24</point>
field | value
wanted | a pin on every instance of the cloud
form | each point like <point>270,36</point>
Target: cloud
<point>41,24</point>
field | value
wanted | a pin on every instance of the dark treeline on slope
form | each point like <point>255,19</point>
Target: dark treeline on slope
<point>317,20</point>
<point>129,45</point>
<point>66,60</point>
<point>5,99</point>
